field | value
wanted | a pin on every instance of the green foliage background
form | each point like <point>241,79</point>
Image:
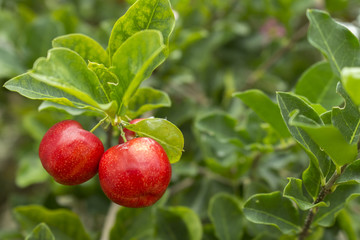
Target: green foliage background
<point>232,148</point>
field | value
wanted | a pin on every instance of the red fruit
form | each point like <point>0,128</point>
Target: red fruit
<point>129,134</point>
<point>69,153</point>
<point>136,173</point>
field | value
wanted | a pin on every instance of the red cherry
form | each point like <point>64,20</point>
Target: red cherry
<point>129,134</point>
<point>69,153</point>
<point>136,173</point>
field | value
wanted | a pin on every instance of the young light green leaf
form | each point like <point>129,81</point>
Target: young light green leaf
<point>347,119</point>
<point>136,59</point>
<point>147,99</point>
<point>41,232</point>
<point>133,223</point>
<point>331,141</point>
<point>318,84</point>
<point>351,173</point>
<point>225,213</point>
<point>178,222</point>
<point>265,108</point>
<point>337,200</point>
<point>350,78</point>
<point>63,223</point>
<point>289,105</point>
<point>334,40</point>
<point>47,105</point>
<point>142,15</point>
<point>273,209</point>
<point>294,191</point>
<point>164,132</point>
<point>86,47</point>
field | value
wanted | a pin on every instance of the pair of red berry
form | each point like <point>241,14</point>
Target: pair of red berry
<point>131,174</point>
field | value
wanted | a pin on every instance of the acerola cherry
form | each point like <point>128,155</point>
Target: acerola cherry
<point>69,153</point>
<point>129,134</point>
<point>136,173</point>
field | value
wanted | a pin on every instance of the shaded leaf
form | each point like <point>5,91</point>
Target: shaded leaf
<point>347,119</point>
<point>30,171</point>
<point>225,213</point>
<point>147,99</point>
<point>136,59</point>
<point>312,180</point>
<point>294,191</point>
<point>318,84</point>
<point>41,232</point>
<point>164,132</point>
<point>351,173</point>
<point>142,15</point>
<point>86,47</point>
<point>334,40</point>
<point>64,224</point>
<point>178,223</point>
<point>273,209</point>
<point>265,108</point>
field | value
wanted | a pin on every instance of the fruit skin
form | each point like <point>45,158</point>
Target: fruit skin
<point>69,153</point>
<point>128,133</point>
<point>136,173</point>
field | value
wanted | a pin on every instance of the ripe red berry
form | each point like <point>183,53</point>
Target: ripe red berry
<point>135,173</point>
<point>128,133</point>
<point>69,153</point>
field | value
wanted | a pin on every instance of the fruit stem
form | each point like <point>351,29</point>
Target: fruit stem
<point>98,124</point>
<point>122,134</point>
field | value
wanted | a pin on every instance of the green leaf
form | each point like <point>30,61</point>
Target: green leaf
<point>294,191</point>
<point>86,47</point>
<point>318,85</point>
<point>164,132</point>
<point>337,201</point>
<point>273,209</point>
<point>267,110</point>
<point>63,77</point>
<point>350,78</point>
<point>142,15</point>
<point>347,119</point>
<point>334,40</point>
<point>133,223</point>
<point>147,99</point>
<point>331,141</point>
<point>30,171</point>
<point>47,105</point>
<point>178,223</point>
<point>289,105</point>
<point>312,180</point>
<point>351,173</point>
<point>347,224</point>
<point>64,224</point>
<point>136,59</point>
<point>41,232</point>
<point>225,213</point>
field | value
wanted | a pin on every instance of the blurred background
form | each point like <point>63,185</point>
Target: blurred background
<point>218,47</point>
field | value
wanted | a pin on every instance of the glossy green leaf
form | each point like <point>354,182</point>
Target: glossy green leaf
<point>86,47</point>
<point>337,200</point>
<point>350,78</point>
<point>64,224</point>
<point>351,173</point>
<point>312,180</point>
<point>331,141</point>
<point>334,40</point>
<point>294,191</point>
<point>164,132</point>
<point>318,85</point>
<point>133,223</point>
<point>147,99</point>
<point>225,213</point>
<point>265,108</point>
<point>178,223</point>
<point>41,232</point>
<point>62,77</point>
<point>136,59</point>
<point>273,209</point>
<point>290,104</point>
<point>142,15</point>
<point>347,119</point>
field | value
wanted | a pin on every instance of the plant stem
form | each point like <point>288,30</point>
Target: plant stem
<point>98,124</point>
<point>325,190</point>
